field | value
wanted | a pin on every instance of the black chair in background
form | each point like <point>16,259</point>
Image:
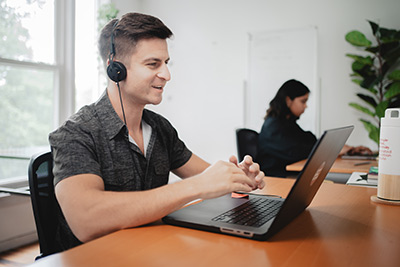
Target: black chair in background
<point>246,142</point>
<point>44,203</point>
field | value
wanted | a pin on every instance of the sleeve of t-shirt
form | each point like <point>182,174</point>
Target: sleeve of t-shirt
<point>73,152</point>
<point>179,154</point>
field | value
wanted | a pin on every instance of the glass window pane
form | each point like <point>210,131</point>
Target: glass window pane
<point>90,75</point>
<point>26,110</point>
<point>86,56</point>
<point>27,32</point>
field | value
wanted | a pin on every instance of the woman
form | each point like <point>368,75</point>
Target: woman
<point>281,140</point>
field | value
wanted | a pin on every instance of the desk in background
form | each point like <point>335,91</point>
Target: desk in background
<point>342,227</point>
<point>341,169</point>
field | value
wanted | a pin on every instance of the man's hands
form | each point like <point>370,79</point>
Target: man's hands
<point>225,177</point>
<point>251,169</point>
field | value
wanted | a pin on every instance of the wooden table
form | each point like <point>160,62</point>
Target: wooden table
<point>341,227</point>
<point>341,169</point>
<point>340,166</point>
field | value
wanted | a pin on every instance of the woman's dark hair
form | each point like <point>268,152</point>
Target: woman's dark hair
<point>130,29</point>
<point>278,107</point>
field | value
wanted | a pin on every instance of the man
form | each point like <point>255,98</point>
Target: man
<point>113,158</point>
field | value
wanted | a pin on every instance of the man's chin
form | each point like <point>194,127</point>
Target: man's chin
<point>156,102</point>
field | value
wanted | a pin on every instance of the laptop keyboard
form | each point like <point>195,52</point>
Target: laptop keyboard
<point>254,212</point>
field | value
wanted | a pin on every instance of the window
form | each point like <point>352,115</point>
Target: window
<point>41,54</point>
<point>86,54</point>
<point>90,77</point>
<point>32,65</point>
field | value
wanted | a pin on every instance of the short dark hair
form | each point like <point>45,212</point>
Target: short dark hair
<point>130,29</point>
<point>278,106</point>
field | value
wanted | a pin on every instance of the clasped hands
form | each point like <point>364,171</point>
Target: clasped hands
<point>226,177</point>
<point>252,170</point>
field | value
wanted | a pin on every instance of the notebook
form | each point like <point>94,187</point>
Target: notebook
<point>218,214</point>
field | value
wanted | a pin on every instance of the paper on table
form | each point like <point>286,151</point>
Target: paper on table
<point>360,179</point>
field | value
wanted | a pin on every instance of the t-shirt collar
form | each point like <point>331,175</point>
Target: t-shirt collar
<point>112,124</point>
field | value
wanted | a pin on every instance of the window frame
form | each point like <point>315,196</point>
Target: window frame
<point>63,67</point>
<point>65,60</point>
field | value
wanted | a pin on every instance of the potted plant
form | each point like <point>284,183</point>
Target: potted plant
<point>377,72</point>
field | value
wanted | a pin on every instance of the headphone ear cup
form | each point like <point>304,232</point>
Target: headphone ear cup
<point>116,71</point>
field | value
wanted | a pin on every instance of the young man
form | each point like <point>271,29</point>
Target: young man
<point>113,158</point>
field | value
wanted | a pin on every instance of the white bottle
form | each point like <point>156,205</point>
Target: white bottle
<point>389,156</point>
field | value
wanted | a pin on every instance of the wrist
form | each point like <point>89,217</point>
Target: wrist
<point>191,187</point>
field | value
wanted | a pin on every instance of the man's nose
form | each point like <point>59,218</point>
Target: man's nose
<point>164,73</point>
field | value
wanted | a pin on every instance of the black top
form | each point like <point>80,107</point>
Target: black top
<point>282,142</point>
<point>95,141</point>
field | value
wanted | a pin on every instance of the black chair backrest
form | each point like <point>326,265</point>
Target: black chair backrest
<point>44,203</point>
<point>246,142</point>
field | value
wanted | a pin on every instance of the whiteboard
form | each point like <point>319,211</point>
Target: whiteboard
<point>273,58</point>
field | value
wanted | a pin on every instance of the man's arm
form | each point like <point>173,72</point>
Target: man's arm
<point>194,166</point>
<point>92,212</point>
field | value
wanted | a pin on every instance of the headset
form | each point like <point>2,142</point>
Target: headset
<point>116,71</point>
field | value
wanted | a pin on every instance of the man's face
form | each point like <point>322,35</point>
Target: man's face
<point>147,73</point>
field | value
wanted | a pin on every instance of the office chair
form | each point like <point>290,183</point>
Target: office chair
<point>246,142</point>
<point>44,204</point>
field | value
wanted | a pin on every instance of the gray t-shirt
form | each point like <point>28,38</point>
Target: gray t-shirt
<point>95,141</point>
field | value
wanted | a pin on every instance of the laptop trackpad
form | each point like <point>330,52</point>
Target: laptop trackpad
<point>207,209</point>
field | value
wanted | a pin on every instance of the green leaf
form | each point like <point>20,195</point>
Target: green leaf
<point>394,90</point>
<point>369,82</point>
<point>365,60</point>
<point>380,109</point>
<point>394,103</point>
<point>355,74</point>
<point>366,71</point>
<point>356,66</point>
<point>373,90</point>
<point>368,99</point>
<point>373,49</point>
<point>362,109</point>
<point>389,50</point>
<point>388,35</point>
<point>374,27</point>
<point>357,38</point>
<point>372,130</point>
<point>391,57</point>
<point>356,81</point>
<point>394,75</point>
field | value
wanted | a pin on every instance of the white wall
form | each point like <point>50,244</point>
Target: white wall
<point>204,99</point>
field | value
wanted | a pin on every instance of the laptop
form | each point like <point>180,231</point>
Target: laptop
<point>261,216</point>
<point>361,157</point>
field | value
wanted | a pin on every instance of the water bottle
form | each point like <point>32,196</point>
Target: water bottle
<point>389,156</point>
